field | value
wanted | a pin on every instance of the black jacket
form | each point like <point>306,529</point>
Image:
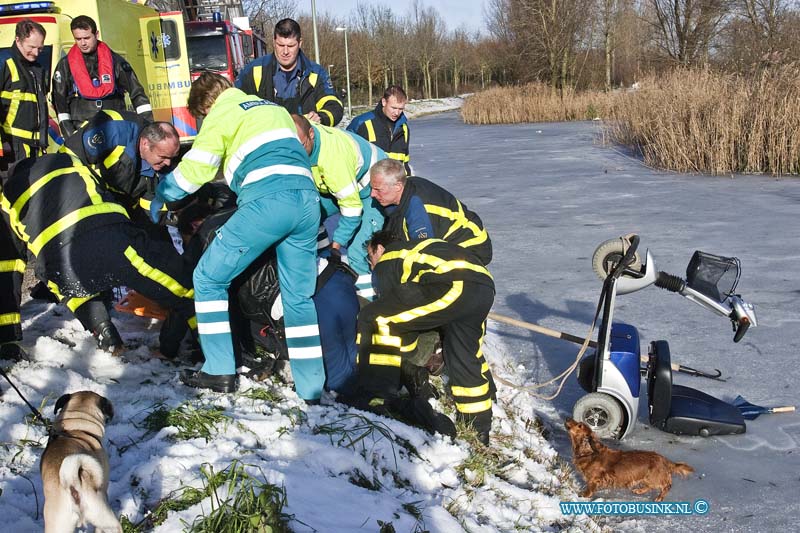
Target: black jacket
<point>72,109</point>
<point>23,106</point>
<point>314,89</point>
<point>427,211</point>
<point>392,137</point>
<point>63,201</point>
<point>109,144</point>
<point>424,262</point>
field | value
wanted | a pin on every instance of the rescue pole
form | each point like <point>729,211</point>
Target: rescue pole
<point>716,375</point>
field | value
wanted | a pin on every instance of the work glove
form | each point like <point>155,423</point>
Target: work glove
<point>155,209</point>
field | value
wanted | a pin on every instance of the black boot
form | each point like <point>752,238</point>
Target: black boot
<point>108,338</point>
<point>480,422</point>
<point>12,351</point>
<point>200,380</point>
<point>416,381</point>
<point>418,412</point>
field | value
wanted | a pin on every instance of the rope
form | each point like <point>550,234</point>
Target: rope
<point>563,376</point>
<point>36,414</point>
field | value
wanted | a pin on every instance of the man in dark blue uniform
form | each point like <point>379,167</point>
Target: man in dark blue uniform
<point>386,125</point>
<point>288,78</point>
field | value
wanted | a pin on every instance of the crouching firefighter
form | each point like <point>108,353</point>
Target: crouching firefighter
<point>85,244</point>
<point>425,285</point>
<point>128,157</point>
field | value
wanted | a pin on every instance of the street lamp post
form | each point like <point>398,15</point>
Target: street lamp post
<point>314,24</point>
<point>347,68</point>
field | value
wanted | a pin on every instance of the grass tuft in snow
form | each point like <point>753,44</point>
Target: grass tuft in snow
<point>262,394</point>
<point>483,461</point>
<point>355,431</point>
<point>191,422</point>
<point>359,479</point>
<point>178,500</point>
<point>242,503</point>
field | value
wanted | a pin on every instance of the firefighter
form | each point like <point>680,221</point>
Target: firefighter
<point>416,208</point>
<point>93,78</point>
<point>85,244</point>
<point>288,78</point>
<point>386,125</point>
<point>340,162</point>
<point>255,144</point>
<point>127,156</point>
<point>23,103</point>
<point>23,115</point>
<point>425,285</point>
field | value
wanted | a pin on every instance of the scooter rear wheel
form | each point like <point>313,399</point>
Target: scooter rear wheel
<point>602,413</point>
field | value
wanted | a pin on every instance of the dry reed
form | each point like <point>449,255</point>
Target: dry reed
<point>704,121</point>
<point>687,120</point>
<point>534,102</point>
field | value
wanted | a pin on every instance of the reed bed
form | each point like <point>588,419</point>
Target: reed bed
<point>686,120</point>
<point>534,102</point>
<point>705,121</point>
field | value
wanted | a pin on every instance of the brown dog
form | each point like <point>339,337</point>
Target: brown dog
<point>604,468</point>
<point>74,466</point>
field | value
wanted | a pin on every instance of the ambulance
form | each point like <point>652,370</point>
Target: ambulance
<point>153,43</point>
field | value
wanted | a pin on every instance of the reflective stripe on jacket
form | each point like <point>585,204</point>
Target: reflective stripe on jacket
<point>314,90</point>
<point>23,102</point>
<point>254,143</point>
<point>426,210</point>
<point>52,199</point>
<point>427,261</point>
<point>340,163</point>
<point>392,137</point>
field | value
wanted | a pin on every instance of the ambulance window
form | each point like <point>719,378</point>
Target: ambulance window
<point>163,34</point>
<point>172,47</point>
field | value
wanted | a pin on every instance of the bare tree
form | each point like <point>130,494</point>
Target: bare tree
<point>459,51</point>
<point>264,14</point>
<point>685,29</point>
<point>609,18</point>
<point>554,30</point>
<point>766,19</point>
<point>509,45</point>
<point>427,31</point>
<point>365,49</point>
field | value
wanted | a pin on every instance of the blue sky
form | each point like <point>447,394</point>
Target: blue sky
<point>454,12</point>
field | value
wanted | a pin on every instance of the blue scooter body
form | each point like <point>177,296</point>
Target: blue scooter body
<point>621,377</point>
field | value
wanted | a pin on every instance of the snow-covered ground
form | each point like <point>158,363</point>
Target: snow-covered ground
<point>549,193</point>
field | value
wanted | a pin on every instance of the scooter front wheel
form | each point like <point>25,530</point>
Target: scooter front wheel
<point>602,413</point>
<point>608,254</point>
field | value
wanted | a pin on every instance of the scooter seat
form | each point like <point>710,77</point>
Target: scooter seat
<point>683,410</point>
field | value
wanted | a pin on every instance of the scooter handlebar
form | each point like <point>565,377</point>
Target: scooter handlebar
<point>743,316</point>
<point>628,258</point>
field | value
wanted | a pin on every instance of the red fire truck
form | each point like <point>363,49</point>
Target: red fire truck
<point>221,46</point>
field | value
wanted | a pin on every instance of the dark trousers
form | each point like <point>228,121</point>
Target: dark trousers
<point>123,254</point>
<point>388,330</point>
<point>12,268</point>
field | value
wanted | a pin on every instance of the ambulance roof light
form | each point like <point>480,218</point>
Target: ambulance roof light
<point>27,7</point>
